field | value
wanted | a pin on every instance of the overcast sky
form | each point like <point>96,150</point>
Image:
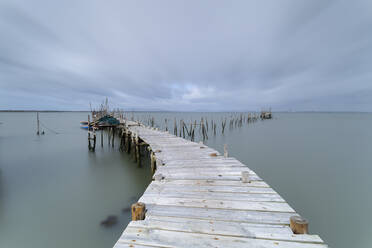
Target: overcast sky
<point>186,55</point>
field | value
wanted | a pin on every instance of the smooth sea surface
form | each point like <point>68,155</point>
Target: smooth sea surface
<point>54,192</point>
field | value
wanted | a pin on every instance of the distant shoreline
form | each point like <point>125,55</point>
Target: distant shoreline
<point>44,111</point>
<point>165,111</point>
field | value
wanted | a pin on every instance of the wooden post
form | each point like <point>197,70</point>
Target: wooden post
<point>134,147</point>
<point>299,225</point>
<point>152,162</point>
<point>113,136</point>
<point>121,140</point>
<point>138,151</point>
<point>88,122</point>
<point>89,146</point>
<point>245,177</point>
<point>108,136</point>
<point>94,140</point>
<point>125,141</point>
<point>138,211</point>
<point>102,138</point>
<point>128,141</point>
<point>225,152</point>
<point>38,123</point>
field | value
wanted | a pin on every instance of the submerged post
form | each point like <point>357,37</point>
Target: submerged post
<point>299,225</point>
<point>138,211</point>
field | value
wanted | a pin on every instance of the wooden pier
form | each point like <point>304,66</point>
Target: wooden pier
<point>200,198</point>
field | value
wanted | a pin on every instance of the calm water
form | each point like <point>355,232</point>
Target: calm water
<point>54,193</point>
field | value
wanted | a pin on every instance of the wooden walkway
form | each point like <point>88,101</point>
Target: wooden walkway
<point>198,199</point>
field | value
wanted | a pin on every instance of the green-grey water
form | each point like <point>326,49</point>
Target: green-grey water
<point>54,192</point>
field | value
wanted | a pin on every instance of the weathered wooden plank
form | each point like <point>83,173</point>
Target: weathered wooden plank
<point>124,245</point>
<point>145,236</point>
<point>218,204</point>
<point>191,176</point>
<point>217,196</point>
<point>195,169</point>
<point>259,231</point>
<point>209,182</point>
<point>241,216</point>
<point>168,188</point>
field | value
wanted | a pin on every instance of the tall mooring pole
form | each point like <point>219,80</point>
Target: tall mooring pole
<point>38,123</point>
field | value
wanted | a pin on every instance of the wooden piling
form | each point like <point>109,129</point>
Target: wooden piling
<point>245,177</point>
<point>138,211</point>
<point>113,136</point>
<point>38,123</point>
<point>94,140</point>
<point>138,151</point>
<point>108,136</point>
<point>134,146</point>
<point>175,127</point>
<point>152,162</point>
<point>299,225</point>
<point>128,141</point>
<point>88,140</point>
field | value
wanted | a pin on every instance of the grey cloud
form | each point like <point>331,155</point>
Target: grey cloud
<point>186,55</point>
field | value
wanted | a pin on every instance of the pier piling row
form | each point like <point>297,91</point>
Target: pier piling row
<point>200,198</point>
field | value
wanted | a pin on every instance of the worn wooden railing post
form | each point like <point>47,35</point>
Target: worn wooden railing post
<point>245,177</point>
<point>152,162</point>
<point>138,211</point>
<point>299,225</point>
<point>225,152</point>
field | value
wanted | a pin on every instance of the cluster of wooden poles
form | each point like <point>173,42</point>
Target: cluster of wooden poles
<point>129,143</point>
<point>192,130</point>
<point>203,127</point>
